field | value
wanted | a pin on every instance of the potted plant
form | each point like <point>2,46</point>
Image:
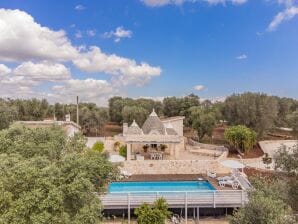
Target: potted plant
<point>117,146</point>
<point>145,147</point>
<point>163,147</point>
<point>267,160</point>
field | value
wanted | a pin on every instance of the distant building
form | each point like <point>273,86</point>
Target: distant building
<point>68,126</point>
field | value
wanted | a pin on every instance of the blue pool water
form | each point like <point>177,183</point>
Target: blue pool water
<point>159,186</point>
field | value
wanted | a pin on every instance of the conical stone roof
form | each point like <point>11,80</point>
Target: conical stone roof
<point>153,125</point>
<point>134,129</point>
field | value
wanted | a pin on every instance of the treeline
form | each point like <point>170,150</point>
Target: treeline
<point>90,116</point>
<point>254,110</point>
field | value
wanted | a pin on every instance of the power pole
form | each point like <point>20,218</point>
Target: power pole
<point>78,110</point>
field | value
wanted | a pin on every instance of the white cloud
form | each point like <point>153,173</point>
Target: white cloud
<point>234,2</point>
<point>287,3</point>
<point>4,70</point>
<point>45,71</point>
<point>287,14</point>
<point>78,34</point>
<point>80,7</point>
<point>91,33</point>
<point>127,70</point>
<point>17,81</point>
<point>41,54</point>
<point>118,34</point>
<point>41,42</point>
<point>91,90</point>
<point>199,87</point>
<point>241,57</point>
<point>159,3</point>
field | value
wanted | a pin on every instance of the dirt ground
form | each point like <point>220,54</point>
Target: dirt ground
<point>256,152</point>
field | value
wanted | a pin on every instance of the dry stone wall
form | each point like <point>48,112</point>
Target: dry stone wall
<point>174,167</point>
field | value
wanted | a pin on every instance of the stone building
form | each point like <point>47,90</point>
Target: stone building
<point>68,126</point>
<point>155,134</point>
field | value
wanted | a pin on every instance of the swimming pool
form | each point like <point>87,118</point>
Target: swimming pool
<point>160,186</point>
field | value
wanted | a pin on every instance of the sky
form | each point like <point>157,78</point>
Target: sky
<point>147,48</point>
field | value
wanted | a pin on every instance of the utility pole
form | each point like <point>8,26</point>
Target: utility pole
<point>78,110</point>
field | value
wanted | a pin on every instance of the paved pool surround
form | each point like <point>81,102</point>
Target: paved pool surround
<point>174,167</point>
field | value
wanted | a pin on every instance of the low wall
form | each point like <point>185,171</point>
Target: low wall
<point>174,167</point>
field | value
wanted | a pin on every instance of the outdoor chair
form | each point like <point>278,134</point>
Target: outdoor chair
<point>233,183</point>
<point>211,174</point>
<point>125,173</point>
<point>156,156</point>
<point>232,177</point>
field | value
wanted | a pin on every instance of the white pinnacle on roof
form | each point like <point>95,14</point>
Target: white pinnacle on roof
<point>134,124</point>
<point>153,114</point>
<point>134,129</point>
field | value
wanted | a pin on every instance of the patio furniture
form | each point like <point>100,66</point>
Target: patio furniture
<point>156,156</point>
<point>211,174</point>
<point>125,174</point>
<point>233,183</point>
<point>224,178</point>
<point>231,177</point>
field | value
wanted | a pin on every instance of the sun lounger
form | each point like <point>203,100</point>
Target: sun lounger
<point>233,183</point>
<point>211,174</point>
<point>224,178</point>
<point>125,173</point>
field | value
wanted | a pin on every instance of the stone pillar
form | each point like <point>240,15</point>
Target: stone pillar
<point>176,151</point>
<point>128,153</point>
<point>171,147</point>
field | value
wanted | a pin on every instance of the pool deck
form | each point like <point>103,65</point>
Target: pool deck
<point>176,177</point>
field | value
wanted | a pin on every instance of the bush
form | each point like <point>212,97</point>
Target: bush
<point>98,146</point>
<point>116,145</point>
<point>240,137</point>
<point>157,214</point>
<point>123,151</point>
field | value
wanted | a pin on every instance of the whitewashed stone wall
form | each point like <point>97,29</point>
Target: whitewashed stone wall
<point>174,167</point>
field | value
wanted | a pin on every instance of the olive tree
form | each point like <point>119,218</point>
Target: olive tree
<point>203,121</point>
<point>268,203</point>
<point>240,137</point>
<point>42,182</point>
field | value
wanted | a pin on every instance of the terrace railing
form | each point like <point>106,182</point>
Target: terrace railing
<point>177,199</point>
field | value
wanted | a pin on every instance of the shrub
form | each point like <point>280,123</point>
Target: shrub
<point>145,147</point>
<point>116,145</point>
<point>123,151</point>
<point>240,137</point>
<point>98,146</point>
<point>157,214</point>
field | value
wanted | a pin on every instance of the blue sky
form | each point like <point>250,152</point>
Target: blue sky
<point>212,48</point>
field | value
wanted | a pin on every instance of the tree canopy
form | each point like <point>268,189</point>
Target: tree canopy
<point>240,137</point>
<point>257,111</point>
<point>91,116</point>
<point>44,180</point>
<point>203,121</point>
<point>268,203</point>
